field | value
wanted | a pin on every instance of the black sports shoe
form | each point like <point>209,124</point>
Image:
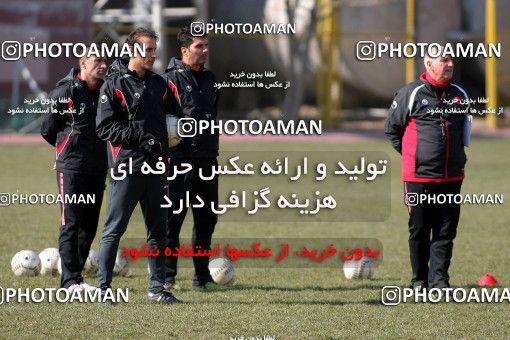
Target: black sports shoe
<point>163,297</point>
<point>209,286</point>
<point>202,282</point>
<point>441,285</point>
<point>418,285</point>
<point>105,298</point>
<point>171,285</point>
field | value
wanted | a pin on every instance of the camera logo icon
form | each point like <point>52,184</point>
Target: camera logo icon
<point>411,199</point>
<point>11,50</point>
<point>365,50</point>
<point>197,28</point>
<point>187,127</point>
<point>391,295</point>
<point>5,199</point>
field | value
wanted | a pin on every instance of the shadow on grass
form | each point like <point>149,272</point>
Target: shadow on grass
<point>372,302</point>
<point>470,286</point>
<point>279,302</point>
<point>340,288</point>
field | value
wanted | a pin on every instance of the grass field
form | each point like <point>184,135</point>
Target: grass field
<point>283,303</point>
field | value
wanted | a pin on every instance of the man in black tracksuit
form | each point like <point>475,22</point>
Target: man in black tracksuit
<point>426,125</point>
<point>131,116</point>
<point>81,163</point>
<point>193,86</point>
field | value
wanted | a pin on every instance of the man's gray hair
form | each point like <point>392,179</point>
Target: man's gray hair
<point>428,57</point>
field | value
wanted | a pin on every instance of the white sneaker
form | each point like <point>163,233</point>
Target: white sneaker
<point>74,287</point>
<point>85,287</point>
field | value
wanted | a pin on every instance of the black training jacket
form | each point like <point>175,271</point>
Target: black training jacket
<point>131,107</point>
<point>198,98</point>
<point>74,133</point>
<point>426,125</point>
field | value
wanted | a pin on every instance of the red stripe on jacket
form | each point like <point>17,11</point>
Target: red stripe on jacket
<point>173,88</point>
<point>115,150</point>
<point>61,189</point>
<point>409,145</point>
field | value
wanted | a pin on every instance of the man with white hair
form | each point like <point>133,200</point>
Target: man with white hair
<point>425,125</point>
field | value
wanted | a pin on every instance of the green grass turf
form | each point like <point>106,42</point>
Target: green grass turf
<point>284,303</point>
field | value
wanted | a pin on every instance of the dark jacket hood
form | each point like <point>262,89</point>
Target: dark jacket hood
<point>72,75</point>
<point>118,66</point>
<point>175,63</point>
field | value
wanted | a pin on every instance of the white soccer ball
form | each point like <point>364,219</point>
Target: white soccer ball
<point>91,264</point>
<point>26,263</point>
<point>359,270</point>
<point>222,271</point>
<point>121,265</point>
<point>172,123</point>
<point>49,261</point>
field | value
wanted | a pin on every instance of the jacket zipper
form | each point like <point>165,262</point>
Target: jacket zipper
<point>132,117</point>
<point>68,139</point>
<point>447,149</point>
<point>192,79</point>
<point>445,132</point>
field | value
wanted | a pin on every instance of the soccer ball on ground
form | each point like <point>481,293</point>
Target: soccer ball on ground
<point>172,123</point>
<point>49,261</point>
<point>359,270</point>
<point>26,263</point>
<point>121,265</point>
<point>91,264</point>
<point>222,271</point>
